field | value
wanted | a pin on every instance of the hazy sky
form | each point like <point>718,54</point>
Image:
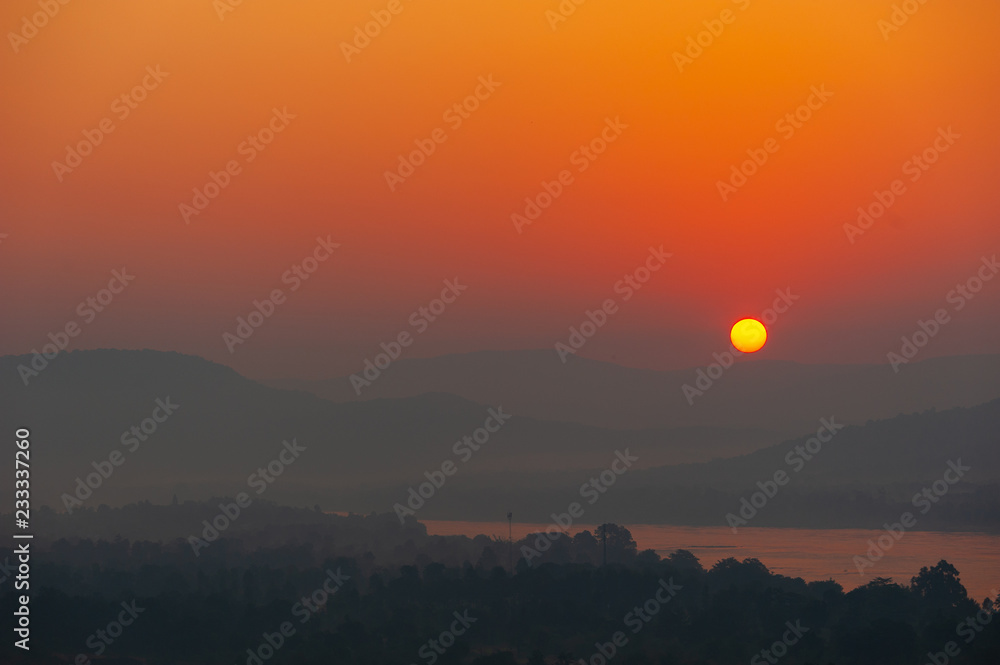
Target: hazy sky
<point>555,87</point>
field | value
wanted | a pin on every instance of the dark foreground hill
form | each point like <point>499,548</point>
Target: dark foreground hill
<point>315,589</point>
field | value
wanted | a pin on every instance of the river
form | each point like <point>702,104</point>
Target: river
<point>812,554</point>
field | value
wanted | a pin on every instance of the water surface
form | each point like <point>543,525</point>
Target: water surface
<point>812,554</point>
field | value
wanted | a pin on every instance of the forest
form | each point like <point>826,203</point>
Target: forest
<point>295,586</point>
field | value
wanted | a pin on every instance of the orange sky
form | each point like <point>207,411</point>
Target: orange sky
<point>324,175</point>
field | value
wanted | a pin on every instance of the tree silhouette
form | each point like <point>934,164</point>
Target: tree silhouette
<point>940,586</point>
<point>621,547</point>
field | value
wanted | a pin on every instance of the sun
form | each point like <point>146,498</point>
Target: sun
<point>748,335</point>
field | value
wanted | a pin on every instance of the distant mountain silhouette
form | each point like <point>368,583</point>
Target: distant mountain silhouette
<point>227,426</point>
<point>766,395</point>
<point>365,455</point>
<point>906,449</point>
<point>862,477</point>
